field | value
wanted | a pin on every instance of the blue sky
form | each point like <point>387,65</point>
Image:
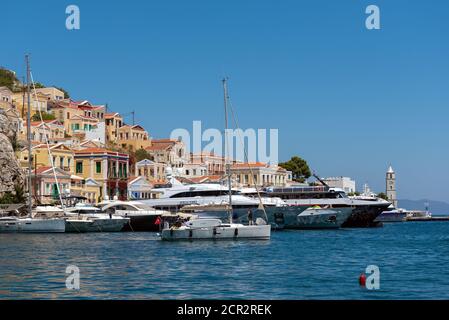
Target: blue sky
<point>348,100</point>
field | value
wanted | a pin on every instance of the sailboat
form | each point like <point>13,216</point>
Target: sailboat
<point>215,229</point>
<point>31,224</point>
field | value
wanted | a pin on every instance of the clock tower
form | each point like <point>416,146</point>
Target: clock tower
<point>391,187</point>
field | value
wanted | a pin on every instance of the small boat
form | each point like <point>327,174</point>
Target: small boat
<point>310,218</point>
<point>86,218</point>
<point>31,225</point>
<point>215,229</point>
<point>395,215</point>
<point>416,215</point>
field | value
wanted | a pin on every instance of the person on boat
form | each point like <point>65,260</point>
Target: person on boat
<point>250,217</point>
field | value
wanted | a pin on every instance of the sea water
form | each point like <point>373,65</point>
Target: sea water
<point>412,257</point>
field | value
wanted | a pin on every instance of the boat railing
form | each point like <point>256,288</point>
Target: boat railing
<point>298,189</point>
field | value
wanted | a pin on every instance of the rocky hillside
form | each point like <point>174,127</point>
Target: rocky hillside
<point>10,172</point>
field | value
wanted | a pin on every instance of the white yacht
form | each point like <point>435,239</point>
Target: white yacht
<point>142,217</point>
<point>364,211</point>
<point>201,198</point>
<point>98,221</point>
<point>207,229</point>
<point>31,225</point>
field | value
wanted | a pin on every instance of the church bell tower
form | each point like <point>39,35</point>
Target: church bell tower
<point>391,187</point>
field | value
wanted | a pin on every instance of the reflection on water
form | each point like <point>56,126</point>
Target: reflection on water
<point>293,265</point>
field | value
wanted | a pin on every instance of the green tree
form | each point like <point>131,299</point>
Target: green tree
<point>38,85</point>
<point>66,94</point>
<point>382,195</point>
<point>45,116</point>
<point>142,154</point>
<point>299,168</point>
<point>18,196</point>
<point>7,79</point>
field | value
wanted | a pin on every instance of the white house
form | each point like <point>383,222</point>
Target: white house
<point>139,188</point>
<point>345,183</point>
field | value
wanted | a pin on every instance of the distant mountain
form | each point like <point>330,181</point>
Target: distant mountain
<point>435,207</point>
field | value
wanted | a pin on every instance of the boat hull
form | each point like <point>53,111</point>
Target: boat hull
<point>96,225</point>
<point>33,226</point>
<point>240,215</point>
<point>390,216</point>
<point>141,223</point>
<point>256,232</point>
<point>323,218</point>
<point>365,216</point>
<point>296,217</point>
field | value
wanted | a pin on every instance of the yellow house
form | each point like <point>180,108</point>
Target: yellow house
<point>53,129</point>
<point>79,125</point>
<point>64,109</point>
<point>63,157</point>
<point>109,168</point>
<point>88,188</point>
<point>152,171</point>
<point>113,122</point>
<point>261,174</point>
<point>133,137</point>
<point>51,93</point>
<point>37,102</point>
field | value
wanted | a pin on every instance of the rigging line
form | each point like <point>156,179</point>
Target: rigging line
<point>46,142</point>
<point>261,205</point>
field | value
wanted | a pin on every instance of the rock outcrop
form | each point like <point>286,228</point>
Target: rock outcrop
<point>10,171</point>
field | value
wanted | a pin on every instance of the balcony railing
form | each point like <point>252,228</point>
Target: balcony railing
<point>117,175</point>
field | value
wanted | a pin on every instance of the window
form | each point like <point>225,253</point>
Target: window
<point>120,171</point>
<point>79,167</point>
<point>61,162</point>
<point>98,167</point>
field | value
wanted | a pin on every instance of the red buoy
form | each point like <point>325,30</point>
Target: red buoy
<point>362,280</point>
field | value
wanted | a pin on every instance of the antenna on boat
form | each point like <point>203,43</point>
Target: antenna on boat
<point>320,180</point>
<point>228,165</point>
<point>30,161</point>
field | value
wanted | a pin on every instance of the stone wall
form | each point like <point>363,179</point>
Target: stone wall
<point>10,171</point>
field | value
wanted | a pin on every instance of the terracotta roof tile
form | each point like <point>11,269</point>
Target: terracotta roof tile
<point>250,164</point>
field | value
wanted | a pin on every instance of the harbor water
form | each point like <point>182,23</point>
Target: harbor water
<point>413,259</point>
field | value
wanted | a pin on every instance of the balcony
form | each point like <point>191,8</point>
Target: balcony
<point>117,175</point>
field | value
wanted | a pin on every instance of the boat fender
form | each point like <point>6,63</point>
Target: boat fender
<point>190,233</point>
<point>171,232</point>
<point>236,232</point>
<point>362,280</point>
<point>215,231</point>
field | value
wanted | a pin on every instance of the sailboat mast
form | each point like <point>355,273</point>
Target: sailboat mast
<point>30,157</point>
<point>228,165</point>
